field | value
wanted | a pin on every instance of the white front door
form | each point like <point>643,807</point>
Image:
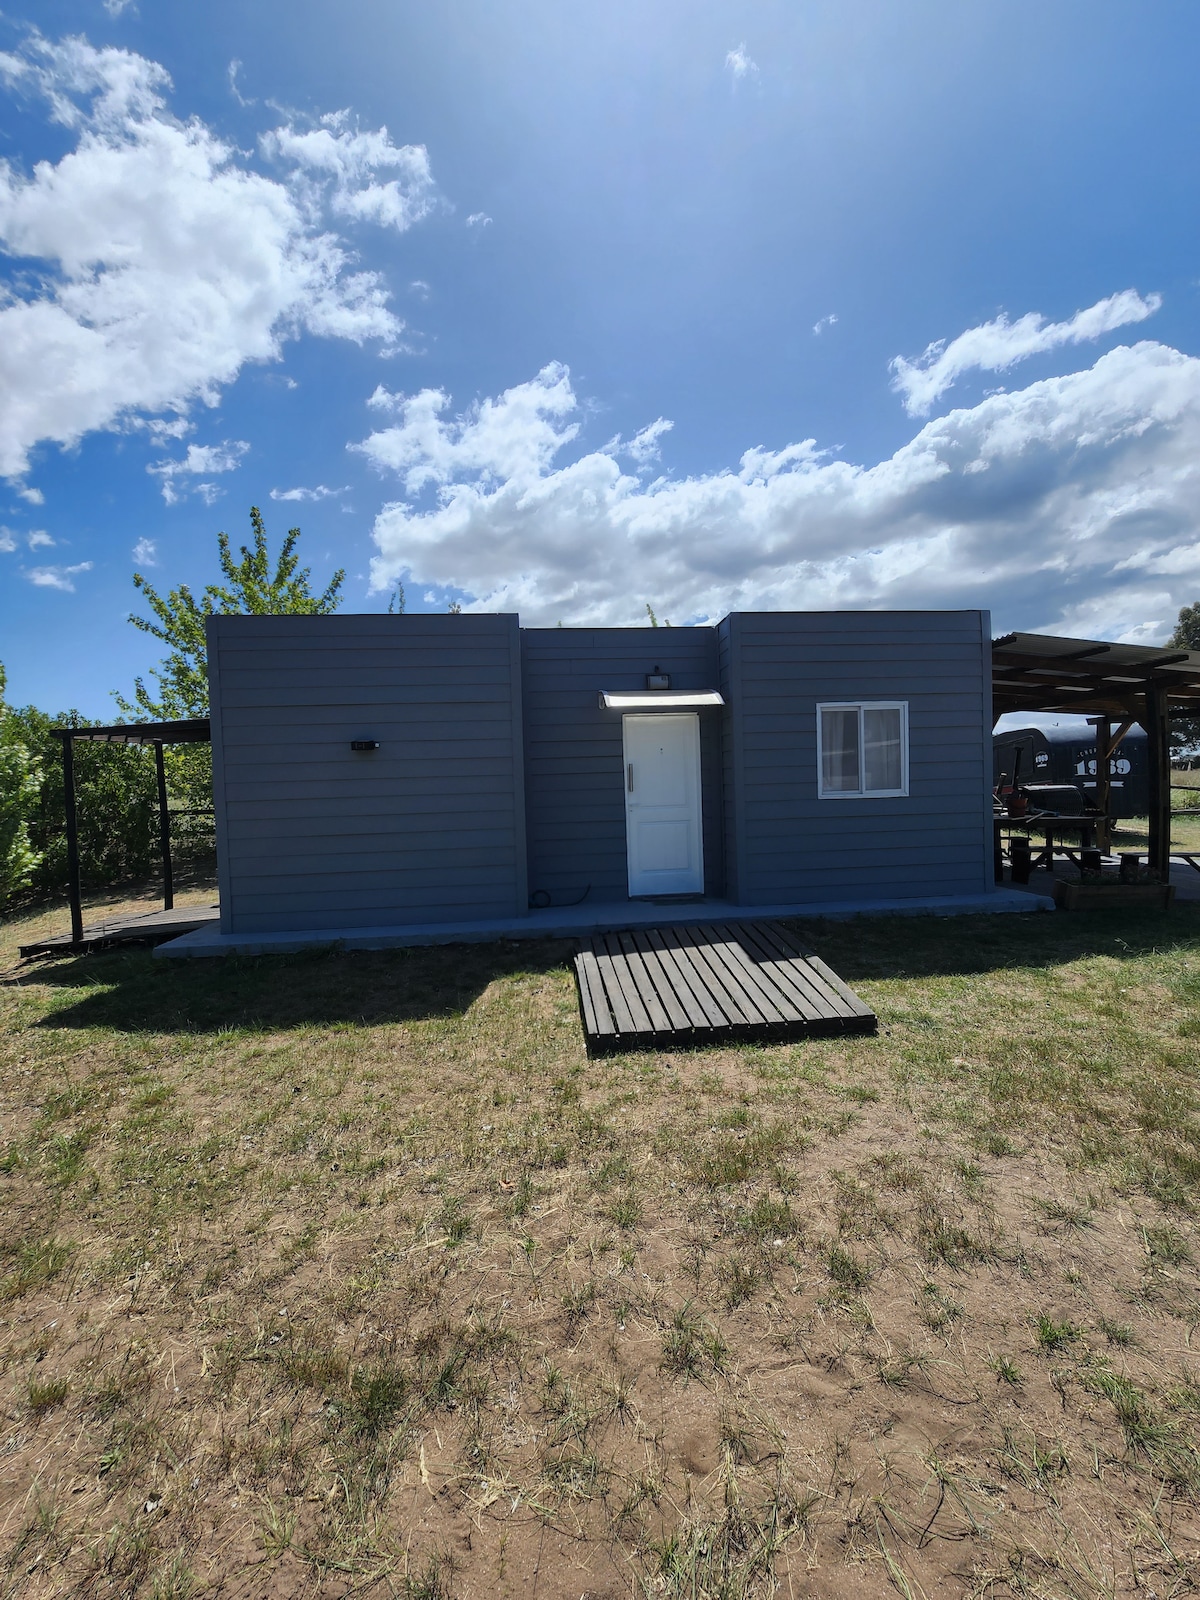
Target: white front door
<point>662,804</point>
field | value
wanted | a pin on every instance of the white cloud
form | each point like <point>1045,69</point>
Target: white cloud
<point>232,71</point>
<point>156,263</point>
<point>1069,505</point>
<point>341,162</point>
<point>643,447</point>
<point>321,492</point>
<point>8,542</point>
<point>116,8</point>
<point>200,458</point>
<point>57,577</point>
<point>39,539</point>
<point>145,553</point>
<point>996,346</point>
<point>163,429</point>
<point>512,438</point>
<point>825,322</point>
<point>479,219</point>
<point>740,64</point>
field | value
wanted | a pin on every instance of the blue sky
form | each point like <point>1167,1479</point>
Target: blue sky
<point>462,339</point>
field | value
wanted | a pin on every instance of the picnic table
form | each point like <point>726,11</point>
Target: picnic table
<point>1054,830</point>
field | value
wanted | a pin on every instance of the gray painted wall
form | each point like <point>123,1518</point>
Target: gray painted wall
<point>493,745</point>
<point>784,843</point>
<point>429,827</point>
<point>574,771</point>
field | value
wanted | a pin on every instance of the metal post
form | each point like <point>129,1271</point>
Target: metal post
<point>73,893</point>
<point>164,827</point>
<point>1158,753</point>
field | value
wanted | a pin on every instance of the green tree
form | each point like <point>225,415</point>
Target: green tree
<point>250,588</point>
<point>1185,730</point>
<point>116,804</point>
<point>254,585</point>
<point>20,786</point>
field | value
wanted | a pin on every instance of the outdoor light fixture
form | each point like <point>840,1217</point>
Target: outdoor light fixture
<point>364,744</point>
<point>658,680</point>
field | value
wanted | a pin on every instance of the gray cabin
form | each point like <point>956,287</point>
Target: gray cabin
<point>380,771</point>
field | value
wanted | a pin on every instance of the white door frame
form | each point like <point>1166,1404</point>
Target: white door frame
<point>675,827</point>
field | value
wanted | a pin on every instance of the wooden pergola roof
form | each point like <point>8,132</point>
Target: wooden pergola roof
<point>1039,672</point>
<point>193,731</point>
<point>1107,682</point>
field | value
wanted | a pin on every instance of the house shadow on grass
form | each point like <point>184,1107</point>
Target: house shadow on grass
<point>130,992</point>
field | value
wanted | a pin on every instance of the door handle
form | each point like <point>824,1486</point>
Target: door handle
<point>630,779</point>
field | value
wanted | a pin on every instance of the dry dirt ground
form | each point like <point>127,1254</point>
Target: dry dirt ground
<point>351,1275</point>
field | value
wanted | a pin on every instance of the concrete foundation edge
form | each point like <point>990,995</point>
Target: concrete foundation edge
<point>575,922</point>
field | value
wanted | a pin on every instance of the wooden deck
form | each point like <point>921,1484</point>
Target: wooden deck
<point>127,929</point>
<point>663,988</point>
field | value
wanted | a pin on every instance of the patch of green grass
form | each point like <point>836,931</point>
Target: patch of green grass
<point>769,1219</point>
<point>729,1557</point>
<point>455,1222</point>
<point>942,1241</point>
<point>46,1393</point>
<point>1119,1333</point>
<point>1171,1452</point>
<point>736,1157</point>
<point>739,1280</point>
<point>846,1270</point>
<point>1065,1214</point>
<point>616,1169</point>
<point>577,1303</point>
<point>37,1263</point>
<point>939,1310</point>
<point>1052,1335</point>
<point>1024,1457</point>
<point>150,1098</point>
<point>692,1347</point>
<point>64,1154</point>
<point>1165,1246</point>
<point>377,1394</point>
<point>997,1144</point>
<point>625,1210</point>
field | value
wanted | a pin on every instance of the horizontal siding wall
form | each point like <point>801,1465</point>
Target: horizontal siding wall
<point>730,740</point>
<point>429,827</point>
<point>574,769</point>
<point>792,846</point>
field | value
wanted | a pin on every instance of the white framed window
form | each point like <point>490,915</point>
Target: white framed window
<point>862,749</point>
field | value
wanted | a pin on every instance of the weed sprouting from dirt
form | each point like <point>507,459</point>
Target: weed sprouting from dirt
<point>846,1270</point>
<point>731,1556</point>
<point>1052,1335</point>
<point>692,1347</point>
<point>36,1263</point>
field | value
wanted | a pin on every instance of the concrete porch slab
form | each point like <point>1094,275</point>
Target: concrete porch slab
<point>568,922</point>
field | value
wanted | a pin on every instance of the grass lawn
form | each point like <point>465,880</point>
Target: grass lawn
<point>351,1274</point>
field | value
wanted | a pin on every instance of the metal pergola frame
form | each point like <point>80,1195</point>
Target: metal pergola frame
<point>1108,683</point>
<point>158,734</point>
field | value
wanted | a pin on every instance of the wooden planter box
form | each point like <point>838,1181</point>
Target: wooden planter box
<point>1113,896</point>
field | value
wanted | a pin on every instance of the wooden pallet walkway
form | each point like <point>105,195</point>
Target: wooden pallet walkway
<point>133,927</point>
<point>705,984</point>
